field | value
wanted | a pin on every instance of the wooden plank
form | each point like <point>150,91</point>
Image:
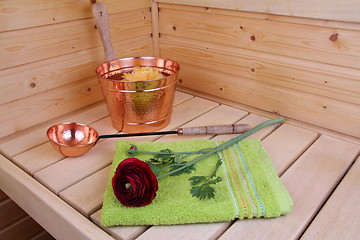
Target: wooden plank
<point>322,9</point>
<point>71,170</point>
<point>310,181</point>
<point>24,113</point>
<point>301,124</point>
<point>33,78</point>
<point>325,44</point>
<point>21,230</point>
<point>265,16</point>
<point>17,14</point>
<point>56,216</point>
<point>35,44</point>
<point>9,212</point>
<point>35,136</point>
<point>331,81</point>
<point>328,113</point>
<point>287,144</point>
<point>87,195</point>
<point>123,232</point>
<point>340,216</point>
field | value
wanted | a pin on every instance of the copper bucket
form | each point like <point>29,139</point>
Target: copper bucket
<point>138,106</point>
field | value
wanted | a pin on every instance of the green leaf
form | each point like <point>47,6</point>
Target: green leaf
<point>195,180</point>
<point>203,191</point>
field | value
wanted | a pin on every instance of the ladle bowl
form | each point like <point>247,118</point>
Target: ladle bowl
<point>72,139</point>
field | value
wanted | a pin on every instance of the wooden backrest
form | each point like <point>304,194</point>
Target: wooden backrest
<point>49,52</point>
<point>259,54</point>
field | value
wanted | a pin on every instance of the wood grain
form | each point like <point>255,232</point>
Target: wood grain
<point>326,112</point>
<point>35,44</point>
<point>61,220</point>
<point>322,9</point>
<point>320,44</point>
<point>340,216</point>
<point>321,79</point>
<point>17,14</point>
<point>33,78</point>
<point>26,112</point>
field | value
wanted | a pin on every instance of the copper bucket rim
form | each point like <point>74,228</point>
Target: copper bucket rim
<point>177,68</point>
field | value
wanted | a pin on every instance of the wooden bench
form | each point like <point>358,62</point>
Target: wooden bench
<point>238,64</point>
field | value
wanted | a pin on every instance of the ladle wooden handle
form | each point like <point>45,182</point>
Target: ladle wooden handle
<point>102,24</point>
<point>216,129</point>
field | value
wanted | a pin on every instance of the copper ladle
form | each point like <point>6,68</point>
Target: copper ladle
<point>74,139</point>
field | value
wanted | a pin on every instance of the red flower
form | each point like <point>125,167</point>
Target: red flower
<point>134,183</point>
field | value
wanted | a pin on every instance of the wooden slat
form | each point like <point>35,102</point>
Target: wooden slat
<point>87,195</point>
<point>35,44</point>
<point>310,180</point>
<point>340,217</point>
<point>9,212</point>
<point>124,232</point>
<point>324,44</point>
<point>266,16</point>
<point>26,112</point>
<point>320,79</point>
<point>286,144</point>
<point>57,217</point>
<point>345,10</point>
<point>17,14</point>
<point>29,79</point>
<point>71,170</point>
<point>326,112</point>
<point>21,230</point>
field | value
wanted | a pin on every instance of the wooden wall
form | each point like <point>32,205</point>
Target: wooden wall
<point>302,68</point>
<point>49,52</point>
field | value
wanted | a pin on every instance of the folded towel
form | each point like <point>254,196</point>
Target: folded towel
<point>250,187</point>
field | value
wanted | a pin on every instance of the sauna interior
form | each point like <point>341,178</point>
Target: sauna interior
<point>241,61</point>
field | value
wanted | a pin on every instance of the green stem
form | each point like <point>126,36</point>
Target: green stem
<point>226,144</point>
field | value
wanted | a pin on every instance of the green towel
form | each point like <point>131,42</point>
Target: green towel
<point>250,187</point>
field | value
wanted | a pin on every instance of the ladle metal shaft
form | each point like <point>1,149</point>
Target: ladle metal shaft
<point>216,129</point>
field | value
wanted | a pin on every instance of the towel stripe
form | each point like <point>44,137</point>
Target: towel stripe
<point>243,178</point>
<point>233,174</point>
<point>251,180</point>
<point>228,182</point>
